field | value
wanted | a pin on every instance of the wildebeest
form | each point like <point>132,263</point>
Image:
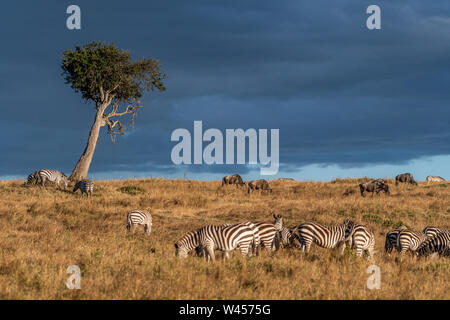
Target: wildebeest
<point>233,179</point>
<point>377,186</point>
<point>261,184</point>
<point>405,177</point>
<point>435,179</point>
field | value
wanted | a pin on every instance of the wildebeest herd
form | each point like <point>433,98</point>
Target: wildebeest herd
<point>251,236</point>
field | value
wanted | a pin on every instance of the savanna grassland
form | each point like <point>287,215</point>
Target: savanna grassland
<point>44,230</point>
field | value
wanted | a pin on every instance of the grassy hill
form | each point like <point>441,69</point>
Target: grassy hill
<point>44,230</point>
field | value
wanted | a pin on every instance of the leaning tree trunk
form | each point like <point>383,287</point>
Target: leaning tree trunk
<point>81,169</point>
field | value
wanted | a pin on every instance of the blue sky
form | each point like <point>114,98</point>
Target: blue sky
<point>348,101</point>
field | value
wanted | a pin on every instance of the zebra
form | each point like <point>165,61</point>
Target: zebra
<point>267,233</point>
<point>325,236</point>
<point>287,237</point>
<point>256,239</point>
<point>139,217</point>
<point>391,239</point>
<point>33,178</point>
<point>53,175</point>
<point>212,237</point>
<point>439,243</point>
<point>86,187</point>
<point>432,231</point>
<point>278,222</point>
<point>362,239</point>
<point>409,240</point>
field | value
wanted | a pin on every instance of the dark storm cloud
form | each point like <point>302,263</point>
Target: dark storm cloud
<point>339,93</point>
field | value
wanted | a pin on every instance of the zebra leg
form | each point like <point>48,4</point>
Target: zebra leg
<point>359,251</point>
<point>43,179</point>
<point>133,228</point>
<point>210,253</point>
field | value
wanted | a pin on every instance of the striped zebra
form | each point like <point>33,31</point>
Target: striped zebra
<point>439,243</point>
<point>362,239</point>
<point>288,238</point>
<point>391,239</point>
<point>226,239</point>
<point>139,217</point>
<point>278,222</point>
<point>86,187</point>
<point>256,239</point>
<point>54,176</point>
<point>324,236</point>
<point>432,231</point>
<point>409,240</point>
<point>267,233</point>
<point>33,178</point>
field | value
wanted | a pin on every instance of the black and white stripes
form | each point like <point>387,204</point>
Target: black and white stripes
<point>409,240</point>
<point>139,217</point>
<point>224,238</point>
<point>391,239</point>
<point>362,239</point>
<point>85,186</point>
<point>54,176</point>
<point>439,243</point>
<point>322,235</point>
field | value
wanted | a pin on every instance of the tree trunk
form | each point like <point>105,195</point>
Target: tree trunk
<point>81,169</point>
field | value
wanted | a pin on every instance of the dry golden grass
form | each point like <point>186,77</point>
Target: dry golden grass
<point>44,230</point>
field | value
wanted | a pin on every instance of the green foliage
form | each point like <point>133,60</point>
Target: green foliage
<point>132,190</point>
<point>96,66</point>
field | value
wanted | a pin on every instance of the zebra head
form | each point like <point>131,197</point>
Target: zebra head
<point>278,222</point>
<point>76,187</point>
<point>348,226</point>
<point>186,243</point>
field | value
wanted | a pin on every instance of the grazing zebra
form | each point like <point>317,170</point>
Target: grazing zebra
<point>33,178</point>
<point>211,237</point>
<point>288,238</point>
<point>362,239</point>
<point>267,233</point>
<point>256,240</point>
<point>325,236</point>
<point>54,176</point>
<point>432,231</point>
<point>139,217</point>
<point>391,239</point>
<point>439,243</point>
<point>409,240</point>
<point>86,187</point>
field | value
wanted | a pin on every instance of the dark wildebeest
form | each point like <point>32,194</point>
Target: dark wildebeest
<point>405,177</point>
<point>261,184</point>
<point>377,186</point>
<point>233,179</point>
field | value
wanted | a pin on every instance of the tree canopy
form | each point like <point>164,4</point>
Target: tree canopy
<point>97,69</point>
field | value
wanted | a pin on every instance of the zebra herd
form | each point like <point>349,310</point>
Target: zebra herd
<point>41,176</point>
<point>249,236</point>
<point>431,240</point>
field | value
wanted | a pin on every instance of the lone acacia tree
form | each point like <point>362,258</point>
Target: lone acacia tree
<point>107,77</point>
